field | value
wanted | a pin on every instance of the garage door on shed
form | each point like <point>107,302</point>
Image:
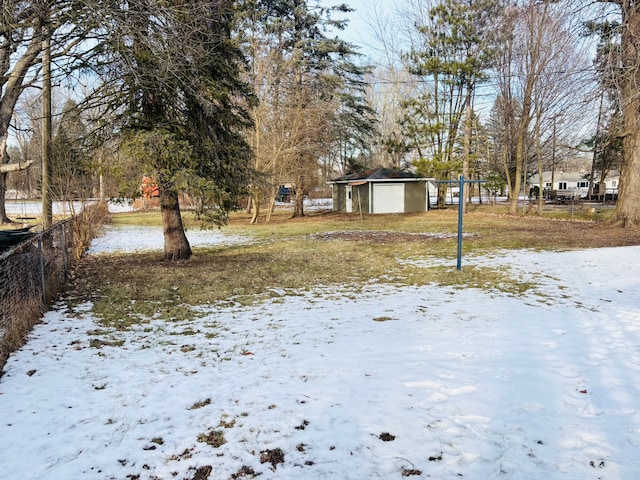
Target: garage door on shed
<point>388,198</point>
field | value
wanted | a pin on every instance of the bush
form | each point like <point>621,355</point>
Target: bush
<point>87,225</point>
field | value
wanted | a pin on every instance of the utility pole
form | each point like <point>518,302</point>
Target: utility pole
<point>553,157</point>
<point>596,148</point>
<point>47,204</point>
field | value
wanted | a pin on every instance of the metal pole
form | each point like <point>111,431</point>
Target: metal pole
<point>461,205</point>
<point>63,225</point>
<point>42,274</point>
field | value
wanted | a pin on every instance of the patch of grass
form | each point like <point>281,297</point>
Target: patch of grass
<point>482,278</point>
<point>201,404</point>
<point>98,343</point>
<point>147,219</point>
<point>214,438</point>
<point>273,456</point>
<point>335,249</point>
<point>227,423</point>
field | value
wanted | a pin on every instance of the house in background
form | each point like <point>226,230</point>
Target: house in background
<point>381,190</point>
<point>574,184</point>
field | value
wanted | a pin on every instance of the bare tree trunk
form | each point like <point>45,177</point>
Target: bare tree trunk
<point>176,245</point>
<point>298,199</point>
<point>539,155</point>
<point>627,212</point>
<point>596,145</point>
<point>15,167</point>
<point>11,80</point>
<point>514,194</point>
<point>254,203</point>
<point>3,190</point>
<point>272,204</point>
<point>505,164</point>
<point>442,195</point>
<point>521,139</point>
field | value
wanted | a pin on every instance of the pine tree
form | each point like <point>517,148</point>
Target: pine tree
<point>458,43</point>
<point>173,80</point>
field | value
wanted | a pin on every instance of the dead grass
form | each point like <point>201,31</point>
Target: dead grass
<point>87,225</point>
<point>322,249</point>
<point>16,332</point>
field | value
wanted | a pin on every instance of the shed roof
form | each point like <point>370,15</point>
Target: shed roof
<point>377,174</point>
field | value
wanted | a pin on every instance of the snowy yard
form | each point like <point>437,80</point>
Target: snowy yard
<point>387,382</point>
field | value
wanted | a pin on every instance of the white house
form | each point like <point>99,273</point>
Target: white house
<point>573,184</point>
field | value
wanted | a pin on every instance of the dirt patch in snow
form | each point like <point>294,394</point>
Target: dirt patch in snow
<point>382,236</point>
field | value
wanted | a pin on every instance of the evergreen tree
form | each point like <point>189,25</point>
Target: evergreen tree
<point>173,81</point>
<point>457,46</point>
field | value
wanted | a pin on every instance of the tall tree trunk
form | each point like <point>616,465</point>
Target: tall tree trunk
<point>539,158</point>
<point>47,170</point>
<point>627,212</point>
<point>505,164</point>
<point>272,204</point>
<point>514,194</point>
<point>442,195</point>
<point>176,245</point>
<point>596,145</point>
<point>9,93</point>
<point>254,201</point>
<point>298,199</point>
<point>523,128</point>
<point>3,190</point>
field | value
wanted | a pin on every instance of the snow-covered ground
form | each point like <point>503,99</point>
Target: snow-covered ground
<point>136,239</point>
<point>27,208</point>
<point>387,382</point>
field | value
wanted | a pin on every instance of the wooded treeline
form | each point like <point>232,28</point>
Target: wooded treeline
<point>224,99</point>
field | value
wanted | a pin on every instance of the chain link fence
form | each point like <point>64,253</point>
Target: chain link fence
<point>33,272</point>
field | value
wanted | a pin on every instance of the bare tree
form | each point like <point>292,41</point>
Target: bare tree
<point>311,94</point>
<point>21,27</point>
<point>563,92</point>
<point>627,75</point>
<point>539,79</point>
<point>26,26</point>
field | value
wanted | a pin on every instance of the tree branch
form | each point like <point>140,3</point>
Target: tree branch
<point>15,167</point>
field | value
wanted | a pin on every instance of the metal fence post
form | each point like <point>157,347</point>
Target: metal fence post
<point>461,205</point>
<point>64,250</point>
<point>42,273</point>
